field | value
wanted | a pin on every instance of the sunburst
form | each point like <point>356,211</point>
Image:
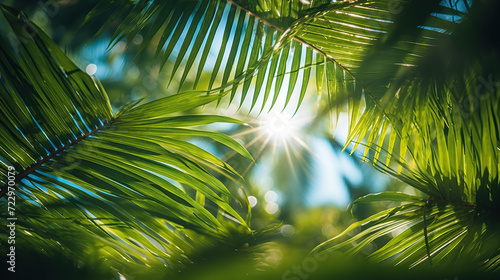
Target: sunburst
<point>280,131</point>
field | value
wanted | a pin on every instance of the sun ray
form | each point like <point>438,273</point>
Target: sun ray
<point>289,159</point>
<point>246,132</point>
<point>304,145</point>
<point>280,131</point>
<point>249,144</point>
<point>259,153</point>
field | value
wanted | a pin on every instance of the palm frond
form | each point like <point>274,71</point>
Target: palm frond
<point>413,79</point>
<point>418,92</point>
<point>239,29</point>
<point>444,149</point>
<point>425,232</point>
<point>131,178</point>
<point>341,34</point>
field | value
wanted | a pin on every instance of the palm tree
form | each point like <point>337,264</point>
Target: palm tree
<point>418,79</point>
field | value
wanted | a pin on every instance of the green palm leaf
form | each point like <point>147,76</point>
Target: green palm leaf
<point>342,34</point>
<point>128,181</point>
<point>159,19</point>
<point>408,71</point>
<point>434,231</point>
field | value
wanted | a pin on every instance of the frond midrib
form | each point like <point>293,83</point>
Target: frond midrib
<point>61,149</point>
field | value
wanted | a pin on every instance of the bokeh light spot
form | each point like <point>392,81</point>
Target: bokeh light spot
<point>252,200</point>
<point>271,196</point>
<point>287,230</point>
<point>91,69</point>
<point>272,208</point>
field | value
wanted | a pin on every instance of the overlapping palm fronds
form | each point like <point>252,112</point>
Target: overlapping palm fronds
<point>425,232</point>
<point>455,223</point>
<point>248,43</point>
<point>357,48</point>
<point>419,78</point>
<point>426,82</point>
<point>423,81</point>
<point>432,91</point>
<point>128,184</point>
<point>442,112</point>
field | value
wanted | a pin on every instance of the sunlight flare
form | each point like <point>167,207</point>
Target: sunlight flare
<point>280,127</point>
